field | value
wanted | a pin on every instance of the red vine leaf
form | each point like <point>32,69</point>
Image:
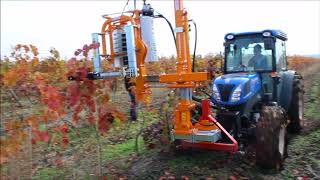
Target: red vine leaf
<point>105,119</point>
<point>91,118</point>
<point>64,128</point>
<point>58,160</point>
<point>64,141</point>
<point>75,117</point>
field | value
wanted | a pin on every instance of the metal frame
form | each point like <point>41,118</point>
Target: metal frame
<point>184,79</point>
<point>206,115</point>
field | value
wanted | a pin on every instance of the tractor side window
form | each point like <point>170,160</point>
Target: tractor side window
<point>234,58</point>
<point>281,55</point>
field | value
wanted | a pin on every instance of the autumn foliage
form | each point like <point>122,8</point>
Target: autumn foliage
<point>46,79</point>
<point>299,63</point>
<point>60,104</point>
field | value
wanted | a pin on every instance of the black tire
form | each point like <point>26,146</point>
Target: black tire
<point>271,147</point>
<point>296,109</point>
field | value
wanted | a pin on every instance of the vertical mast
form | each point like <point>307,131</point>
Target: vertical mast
<point>182,39</point>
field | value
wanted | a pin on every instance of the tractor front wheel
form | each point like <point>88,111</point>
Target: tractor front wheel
<point>271,146</point>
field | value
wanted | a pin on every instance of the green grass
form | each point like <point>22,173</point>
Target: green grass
<point>304,149</point>
<point>117,154</point>
<point>303,152</point>
<point>312,107</point>
<point>123,150</point>
<point>50,173</point>
<point>300,142</point>
<point>118,147</point>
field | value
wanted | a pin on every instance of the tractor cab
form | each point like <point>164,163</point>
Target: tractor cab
<point>250,60</point>
<point>255,52</point>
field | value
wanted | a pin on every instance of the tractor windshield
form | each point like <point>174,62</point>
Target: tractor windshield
<point>245,54</point>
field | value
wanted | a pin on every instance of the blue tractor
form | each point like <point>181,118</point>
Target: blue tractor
<point>258,98</point>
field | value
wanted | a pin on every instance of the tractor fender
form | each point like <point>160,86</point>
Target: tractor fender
<point>286,87</point>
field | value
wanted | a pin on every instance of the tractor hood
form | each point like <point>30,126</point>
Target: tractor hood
<point>233,89</point>
<point>236,78</point>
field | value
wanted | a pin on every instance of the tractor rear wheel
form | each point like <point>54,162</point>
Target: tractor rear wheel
<point>296,109</point>
<point>271,138</point>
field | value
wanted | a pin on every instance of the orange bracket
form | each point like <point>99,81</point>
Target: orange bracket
<point>185,77</point>
<point>208,145</point>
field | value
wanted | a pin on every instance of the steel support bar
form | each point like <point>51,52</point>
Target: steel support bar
<point>180,86</point>
<point>96,53</point>
<point>106,75</point>
<point>210,146</point>
<point>234,145</point>
<point>185,77</point>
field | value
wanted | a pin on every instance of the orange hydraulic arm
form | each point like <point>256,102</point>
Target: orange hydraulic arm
<point>142,89</point>
<point>184,78</point>
<point>206,132</point>
<point>192,135</point>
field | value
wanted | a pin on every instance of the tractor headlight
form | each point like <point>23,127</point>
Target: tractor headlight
<point>236,94</point>
<point>215,93</point>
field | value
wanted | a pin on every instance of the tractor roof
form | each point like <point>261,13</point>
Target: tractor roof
<point>275,33</point>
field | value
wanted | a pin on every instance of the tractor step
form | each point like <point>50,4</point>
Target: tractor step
<point>200,136</point>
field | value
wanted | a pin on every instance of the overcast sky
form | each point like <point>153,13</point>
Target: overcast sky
<point>67,25</point>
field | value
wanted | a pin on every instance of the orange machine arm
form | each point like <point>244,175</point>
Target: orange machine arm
<point>184,78</point>
<point>108,26</point>
<point>182,41</point>
<point>142,89</point>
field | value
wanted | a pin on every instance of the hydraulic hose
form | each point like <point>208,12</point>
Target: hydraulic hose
<point>170,25</point>
<point>174,37</point>
<point>195,43</point>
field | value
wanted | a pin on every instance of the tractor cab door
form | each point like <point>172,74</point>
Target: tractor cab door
<point>281,62</point>
<point>280,66</point>
<point>281,58</point>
